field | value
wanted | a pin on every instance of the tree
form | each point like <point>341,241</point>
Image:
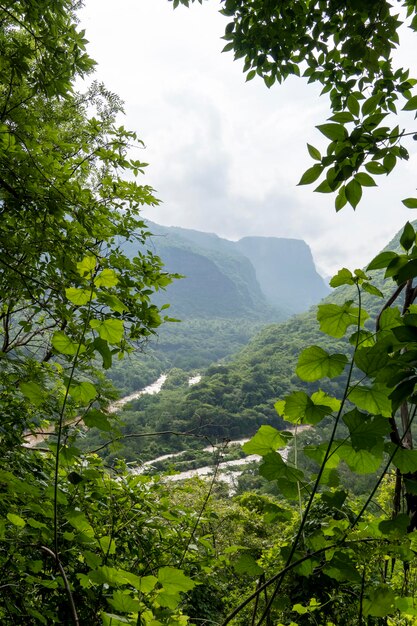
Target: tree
<point>348,48</point>
<point>70,301</point>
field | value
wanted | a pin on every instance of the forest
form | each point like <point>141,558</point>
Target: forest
<point>323,531</point>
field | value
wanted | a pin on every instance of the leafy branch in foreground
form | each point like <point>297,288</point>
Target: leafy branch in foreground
<point>371,433</point>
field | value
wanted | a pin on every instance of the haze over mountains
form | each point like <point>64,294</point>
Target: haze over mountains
<point>261,277</point>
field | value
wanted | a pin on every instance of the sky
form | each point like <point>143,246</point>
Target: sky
<point>224,155</point>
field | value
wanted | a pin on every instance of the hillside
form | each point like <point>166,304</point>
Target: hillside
<point>235,397</point>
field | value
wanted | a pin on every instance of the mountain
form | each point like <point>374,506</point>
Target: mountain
<point>233,398</point>
<point>265,278</point>
<point>285,271</point>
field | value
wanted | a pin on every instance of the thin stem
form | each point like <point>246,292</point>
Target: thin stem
<point>321,470</point>
<point>66,584</point>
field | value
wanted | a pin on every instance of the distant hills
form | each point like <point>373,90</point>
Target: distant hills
<point>264,278</point>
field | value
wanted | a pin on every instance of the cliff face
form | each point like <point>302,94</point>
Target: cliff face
<point>285,271</point>
<point>258,278</point>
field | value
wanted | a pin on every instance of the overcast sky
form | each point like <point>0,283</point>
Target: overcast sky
<point>225,156</point>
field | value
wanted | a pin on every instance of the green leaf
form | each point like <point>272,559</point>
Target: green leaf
<point>375,168</point>
<point>383,259</point>
<point>334,319</point>
<point>123,601</point>
<point>405,460</point>
<point>246,564</point>
<point>16,520</point>
<point>313,152</point>
<point>365,431</point>
<point>147,584</point>
<point>103,349</point>
<point>406,271</point>
<point>79,296</point>
<point>83,392</point>
<point>315,363</point>
<point>33,392</point>
<point>174,580</point>
<point>299,408</point>
<point>87,266</point>
<point>408,236</point>
<point>411,104</point>
<point>110,330</point>
<point>266,440</point>
<point>374,291</point>
<point>106,278</point>
<point>374,399</point>
<point>335,132</point>
<point>63,344</point>
<point>365,180</point>
<point>343,277</point>
<point>353,105</point>
<point>274,468</point>
<point>97,419</point>
<point>396,526</point>
<point>311,175</point>
<point>362,461</point>
<point>353,193</point>
<point>410,203</point>
<point>379,602</point>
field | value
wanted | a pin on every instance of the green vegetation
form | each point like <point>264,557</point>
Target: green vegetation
<point>86,542</point>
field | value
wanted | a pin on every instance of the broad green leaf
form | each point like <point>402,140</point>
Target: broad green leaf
<point>63,344</point>
<point>410,203</point>
<point>373,358</point>
<point>113,302</point>
<point>353,105</point>
<point>343,277</point>
<point>16,520</point>
<point>311,175</point>
<point>174,580</point>
<point>374,399</point>
<point>110,330</point>
<point>365,432</point>
<point>411,104</point>
<point>375,168</point>
<point>78,520</point>
<point>353,192</point>
<point>334,319</point>
<point>365,180</point>
<point>374,291</point>
<point>147,584</point>
<point>379,602</point>
<point>407,606</point>
<point>106,278</point>
<point>33,392</point>
<point>313,152</point>
<point>362,461</point>
<point>103,349</point>
<point>246,564</point>
<point>108,545</point>
<point>335,132</point>
<point>396,526</point>
<point>342,568</point>
<point>274,468</point>
<point>299,408</point>
<point>266,440</point>
<point>87,266</point>
<point>79,297</point>
<point>407,271</point>
<point>405,460</point>
<point>96,419</point>
<point>383,259</point>
<point>83,392</point>
<point>110,576</point>
<point>315,363</point>
<point>123,601</point>
<point>408,236</point>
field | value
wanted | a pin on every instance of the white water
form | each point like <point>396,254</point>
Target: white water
<point>153,388</point>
